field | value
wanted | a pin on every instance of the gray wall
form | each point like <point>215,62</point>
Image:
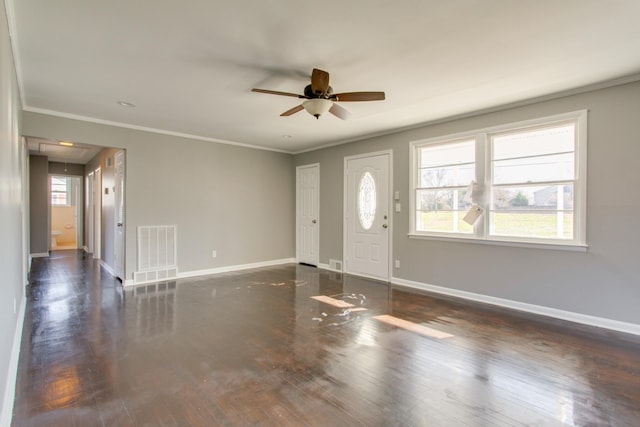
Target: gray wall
<point>604,282</point>
<point>12,201</point>
<point>57,168</point>
<point>39,204</point>
<point>236,200</point>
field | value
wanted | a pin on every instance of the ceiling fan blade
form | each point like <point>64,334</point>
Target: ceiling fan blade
<point>339,112</point>
<point>293,110</point>
<point>319,81</point>
<point>275,92</point>
<point>358,96</point>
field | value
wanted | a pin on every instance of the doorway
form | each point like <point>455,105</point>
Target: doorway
<point>66,212</point>
<point>89,195</point>
<point>118,246</point>
<point>367,215</point>
<point>307,214</point>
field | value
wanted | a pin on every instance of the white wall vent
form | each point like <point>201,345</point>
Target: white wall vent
<point>335,265</point>
<point>157,254</point>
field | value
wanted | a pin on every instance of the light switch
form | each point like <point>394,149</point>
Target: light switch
<point>396,195</point>
<point>398,207</point>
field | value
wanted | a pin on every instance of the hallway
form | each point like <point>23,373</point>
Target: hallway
<point>254,348</point>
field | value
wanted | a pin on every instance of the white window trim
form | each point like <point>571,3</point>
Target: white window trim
<point>483,159</point>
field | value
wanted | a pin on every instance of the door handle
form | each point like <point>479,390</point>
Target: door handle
<point>120,224</point>
<point>313,221</point>
<point>384,226</point>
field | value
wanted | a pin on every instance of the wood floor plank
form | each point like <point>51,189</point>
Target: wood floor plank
<point>245,348</point>
<point>332,301</point>
<point>412,327</point>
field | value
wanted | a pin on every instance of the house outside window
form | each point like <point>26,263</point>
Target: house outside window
<point>519,183</point>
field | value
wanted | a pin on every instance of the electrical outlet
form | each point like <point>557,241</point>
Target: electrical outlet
<point>397,263</point>
<point>214,254</point>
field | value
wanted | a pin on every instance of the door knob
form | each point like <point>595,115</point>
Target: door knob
<point>384,225</point>
<point>119,224</point>
<point>313,221</point>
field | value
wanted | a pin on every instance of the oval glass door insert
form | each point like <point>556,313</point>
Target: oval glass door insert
<point>367,200</point>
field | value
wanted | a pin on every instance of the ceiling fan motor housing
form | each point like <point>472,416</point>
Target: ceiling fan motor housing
<point>308,92</point>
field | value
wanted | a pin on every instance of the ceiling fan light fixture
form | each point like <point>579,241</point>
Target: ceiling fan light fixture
<point>317,106</point>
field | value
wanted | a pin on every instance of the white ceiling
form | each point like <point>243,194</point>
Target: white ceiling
<point>79,153</point>
<point>189,66</point>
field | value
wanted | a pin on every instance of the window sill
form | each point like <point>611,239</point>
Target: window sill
<point>531,245</point>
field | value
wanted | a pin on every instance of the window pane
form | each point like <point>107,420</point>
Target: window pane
<point>442,211</point>
<point>537,142</point>
<point>436,200</point>
<point>367,200</point>
<point>549,224</point>
<point>447,154</point>
<point>448,176</point>
<point>58,183</point>
<point>442,221</point>
<point>555,167</point>
<point>59,199</point>
<point>536,198</point>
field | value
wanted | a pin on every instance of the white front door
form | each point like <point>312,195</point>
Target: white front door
<point>119,213</point>
<point>367,215</point>
<point>307,213</point>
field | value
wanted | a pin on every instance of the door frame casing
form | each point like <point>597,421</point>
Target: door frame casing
<point>119,246</point>
<point>317,243</point>
<point>345,202</point>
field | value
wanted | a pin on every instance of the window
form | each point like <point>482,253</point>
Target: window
<point>60,191</point>
<point>367,200</point>
<point>528,179</point>
<point>445,172</point>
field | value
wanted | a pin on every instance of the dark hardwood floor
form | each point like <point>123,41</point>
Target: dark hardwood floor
<point>253,348</point>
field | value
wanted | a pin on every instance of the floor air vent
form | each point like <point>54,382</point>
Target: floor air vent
<point>335,264</point>
<point>157,254</point>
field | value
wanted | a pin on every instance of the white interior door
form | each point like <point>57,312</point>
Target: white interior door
<point>90,211</point>
<point>118,246</point>
<point>367,215</point>
<point>97,213</point>
<point>307,213</point>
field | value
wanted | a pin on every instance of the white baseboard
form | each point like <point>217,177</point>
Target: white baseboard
<point>327,267</point>
<point>40,255</point>
<point>227,269</point>
<point>12,373</point>
<point>107,267</point>
<point>231,268</point>
<point>600,322</point>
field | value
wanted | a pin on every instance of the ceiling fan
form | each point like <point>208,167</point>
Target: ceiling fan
<point>321,99</point>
